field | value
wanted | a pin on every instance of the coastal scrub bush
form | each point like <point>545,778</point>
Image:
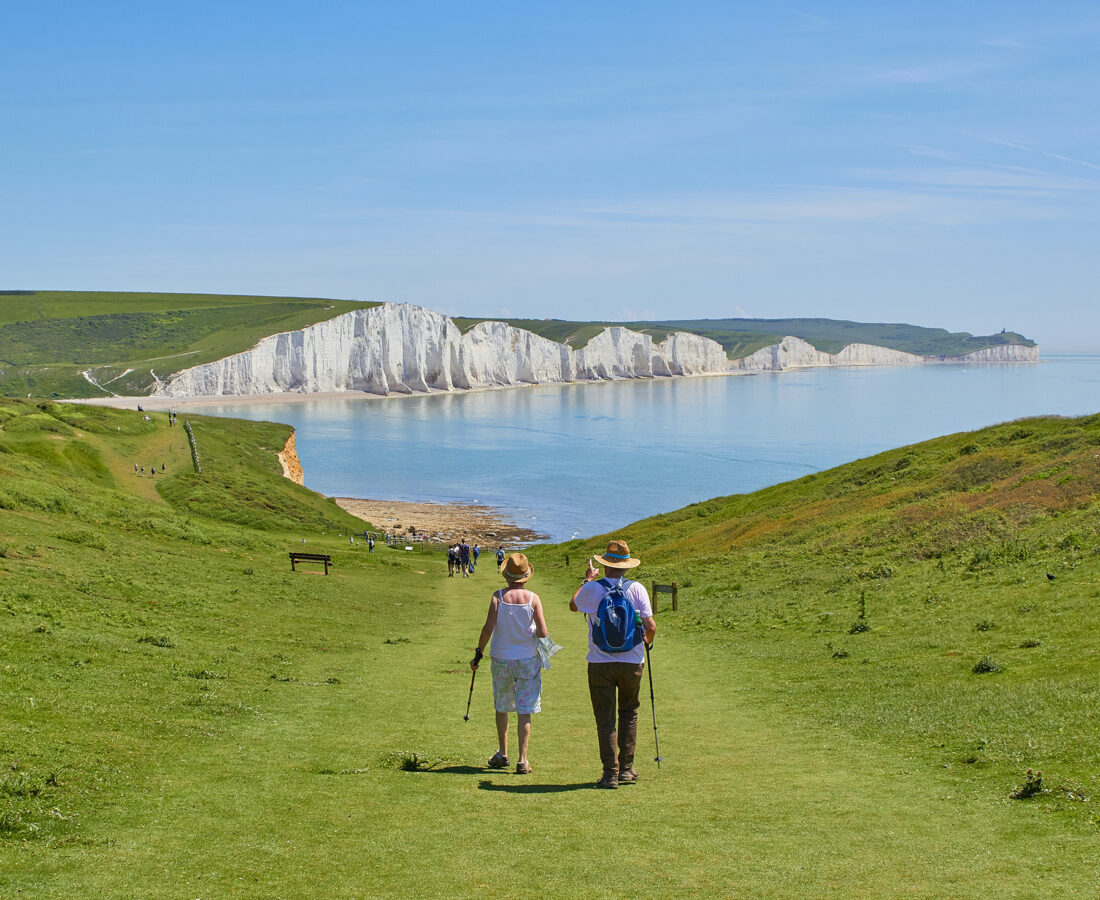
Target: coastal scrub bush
<point>986,666</point>
<point>1070,541</point>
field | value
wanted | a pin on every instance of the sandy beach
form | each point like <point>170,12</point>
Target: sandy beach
<point>442,522</point>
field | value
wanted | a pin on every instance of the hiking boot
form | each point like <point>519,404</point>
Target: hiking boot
<point>523,768</point>
<point>609,781</point>
<point>496,761</point>
<point>628,776</point>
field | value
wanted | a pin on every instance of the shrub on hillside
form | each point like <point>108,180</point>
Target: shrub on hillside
<point>986,666</point>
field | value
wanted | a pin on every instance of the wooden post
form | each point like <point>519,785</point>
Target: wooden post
<point>567,560</point>
<point>667,589</point>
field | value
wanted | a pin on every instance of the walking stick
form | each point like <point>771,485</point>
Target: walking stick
<point>466,718</point>
<point>652,706</point>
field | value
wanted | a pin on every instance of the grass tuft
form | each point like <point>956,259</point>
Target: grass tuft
<point>159,640</point>
<point>1032,786</point>
<point>986,666</point>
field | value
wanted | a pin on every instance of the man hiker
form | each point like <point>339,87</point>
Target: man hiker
<point>619,619</point>
<point>464,557</point>
<point>500,557</point>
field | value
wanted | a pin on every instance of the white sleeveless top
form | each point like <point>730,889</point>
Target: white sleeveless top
<point>514,635</point>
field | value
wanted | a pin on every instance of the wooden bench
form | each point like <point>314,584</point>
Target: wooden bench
<point>310,557</point>
<point>666,589</point>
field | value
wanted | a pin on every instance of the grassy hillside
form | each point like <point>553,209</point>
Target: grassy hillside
<point>186,717</point>
<point>865,597</point>
<point>742,337</point>
<point>48,337</point>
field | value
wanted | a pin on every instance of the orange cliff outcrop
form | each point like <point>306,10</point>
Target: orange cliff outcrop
<point>292,466</point>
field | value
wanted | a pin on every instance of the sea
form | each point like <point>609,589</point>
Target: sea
<point>584,459</point>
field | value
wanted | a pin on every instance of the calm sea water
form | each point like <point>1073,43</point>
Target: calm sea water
<point>585,459</point>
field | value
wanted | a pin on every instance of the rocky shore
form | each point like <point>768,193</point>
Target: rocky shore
<point>441,522</point>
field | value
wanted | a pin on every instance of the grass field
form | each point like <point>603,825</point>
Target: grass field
<point>186,717</point>
<point>47,338</point>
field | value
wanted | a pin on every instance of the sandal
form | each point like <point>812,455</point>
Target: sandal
<point>496,761</point>
<point>523,768</point>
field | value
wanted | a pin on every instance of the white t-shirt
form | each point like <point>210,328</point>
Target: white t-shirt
<point>588,601</point>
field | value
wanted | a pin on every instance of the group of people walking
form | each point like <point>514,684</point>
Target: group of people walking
<point>462,558</point>
<point>620,621</point>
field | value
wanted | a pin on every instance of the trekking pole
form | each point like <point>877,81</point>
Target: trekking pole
<point>466,718</point>
<point>652,706</point>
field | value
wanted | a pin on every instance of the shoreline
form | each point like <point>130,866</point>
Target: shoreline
<point>440,523</point>
<point>159,403</point>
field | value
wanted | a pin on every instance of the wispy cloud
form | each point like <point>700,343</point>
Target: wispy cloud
<point>806,21</point>
<point>933,152</point>
<point>927,73</point>
<point>1027,148</point>
<point>981,178</point>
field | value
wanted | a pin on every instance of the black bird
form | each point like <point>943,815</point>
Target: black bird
<point>1050,577</point>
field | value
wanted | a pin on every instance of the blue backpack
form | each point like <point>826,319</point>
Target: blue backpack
<point>616,627</point>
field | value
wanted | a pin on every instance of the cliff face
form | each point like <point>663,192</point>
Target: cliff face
<point>1004,353</point>
<point>398,348</point>
<point>795,353</point>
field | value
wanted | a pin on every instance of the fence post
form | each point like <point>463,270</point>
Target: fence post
<point>194,447</point>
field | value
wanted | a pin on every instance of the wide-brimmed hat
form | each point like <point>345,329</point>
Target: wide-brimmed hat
<point>516,568</point>
<point>617,556</point>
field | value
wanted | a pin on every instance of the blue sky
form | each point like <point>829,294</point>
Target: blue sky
<point>936,163</point>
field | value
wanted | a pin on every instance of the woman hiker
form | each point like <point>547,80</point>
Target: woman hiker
<point>514,622</point>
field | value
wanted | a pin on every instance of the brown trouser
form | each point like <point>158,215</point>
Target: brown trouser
<point>604,680</point>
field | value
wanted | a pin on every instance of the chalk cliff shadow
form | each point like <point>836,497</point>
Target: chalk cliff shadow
<point>534,788</point>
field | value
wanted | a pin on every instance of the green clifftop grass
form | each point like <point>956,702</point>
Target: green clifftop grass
<point>48,337</point>
<point>183,716</point>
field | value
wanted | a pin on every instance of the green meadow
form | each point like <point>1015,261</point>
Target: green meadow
<point>128,340</point>
<point>864,666</point>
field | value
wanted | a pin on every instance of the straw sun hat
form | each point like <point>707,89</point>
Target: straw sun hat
<point>516,569</point>
<point>617,556</point>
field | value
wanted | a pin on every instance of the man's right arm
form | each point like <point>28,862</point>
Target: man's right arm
<point>589,576</point>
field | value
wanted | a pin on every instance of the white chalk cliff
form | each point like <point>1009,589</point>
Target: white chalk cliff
<point>399,348</point>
